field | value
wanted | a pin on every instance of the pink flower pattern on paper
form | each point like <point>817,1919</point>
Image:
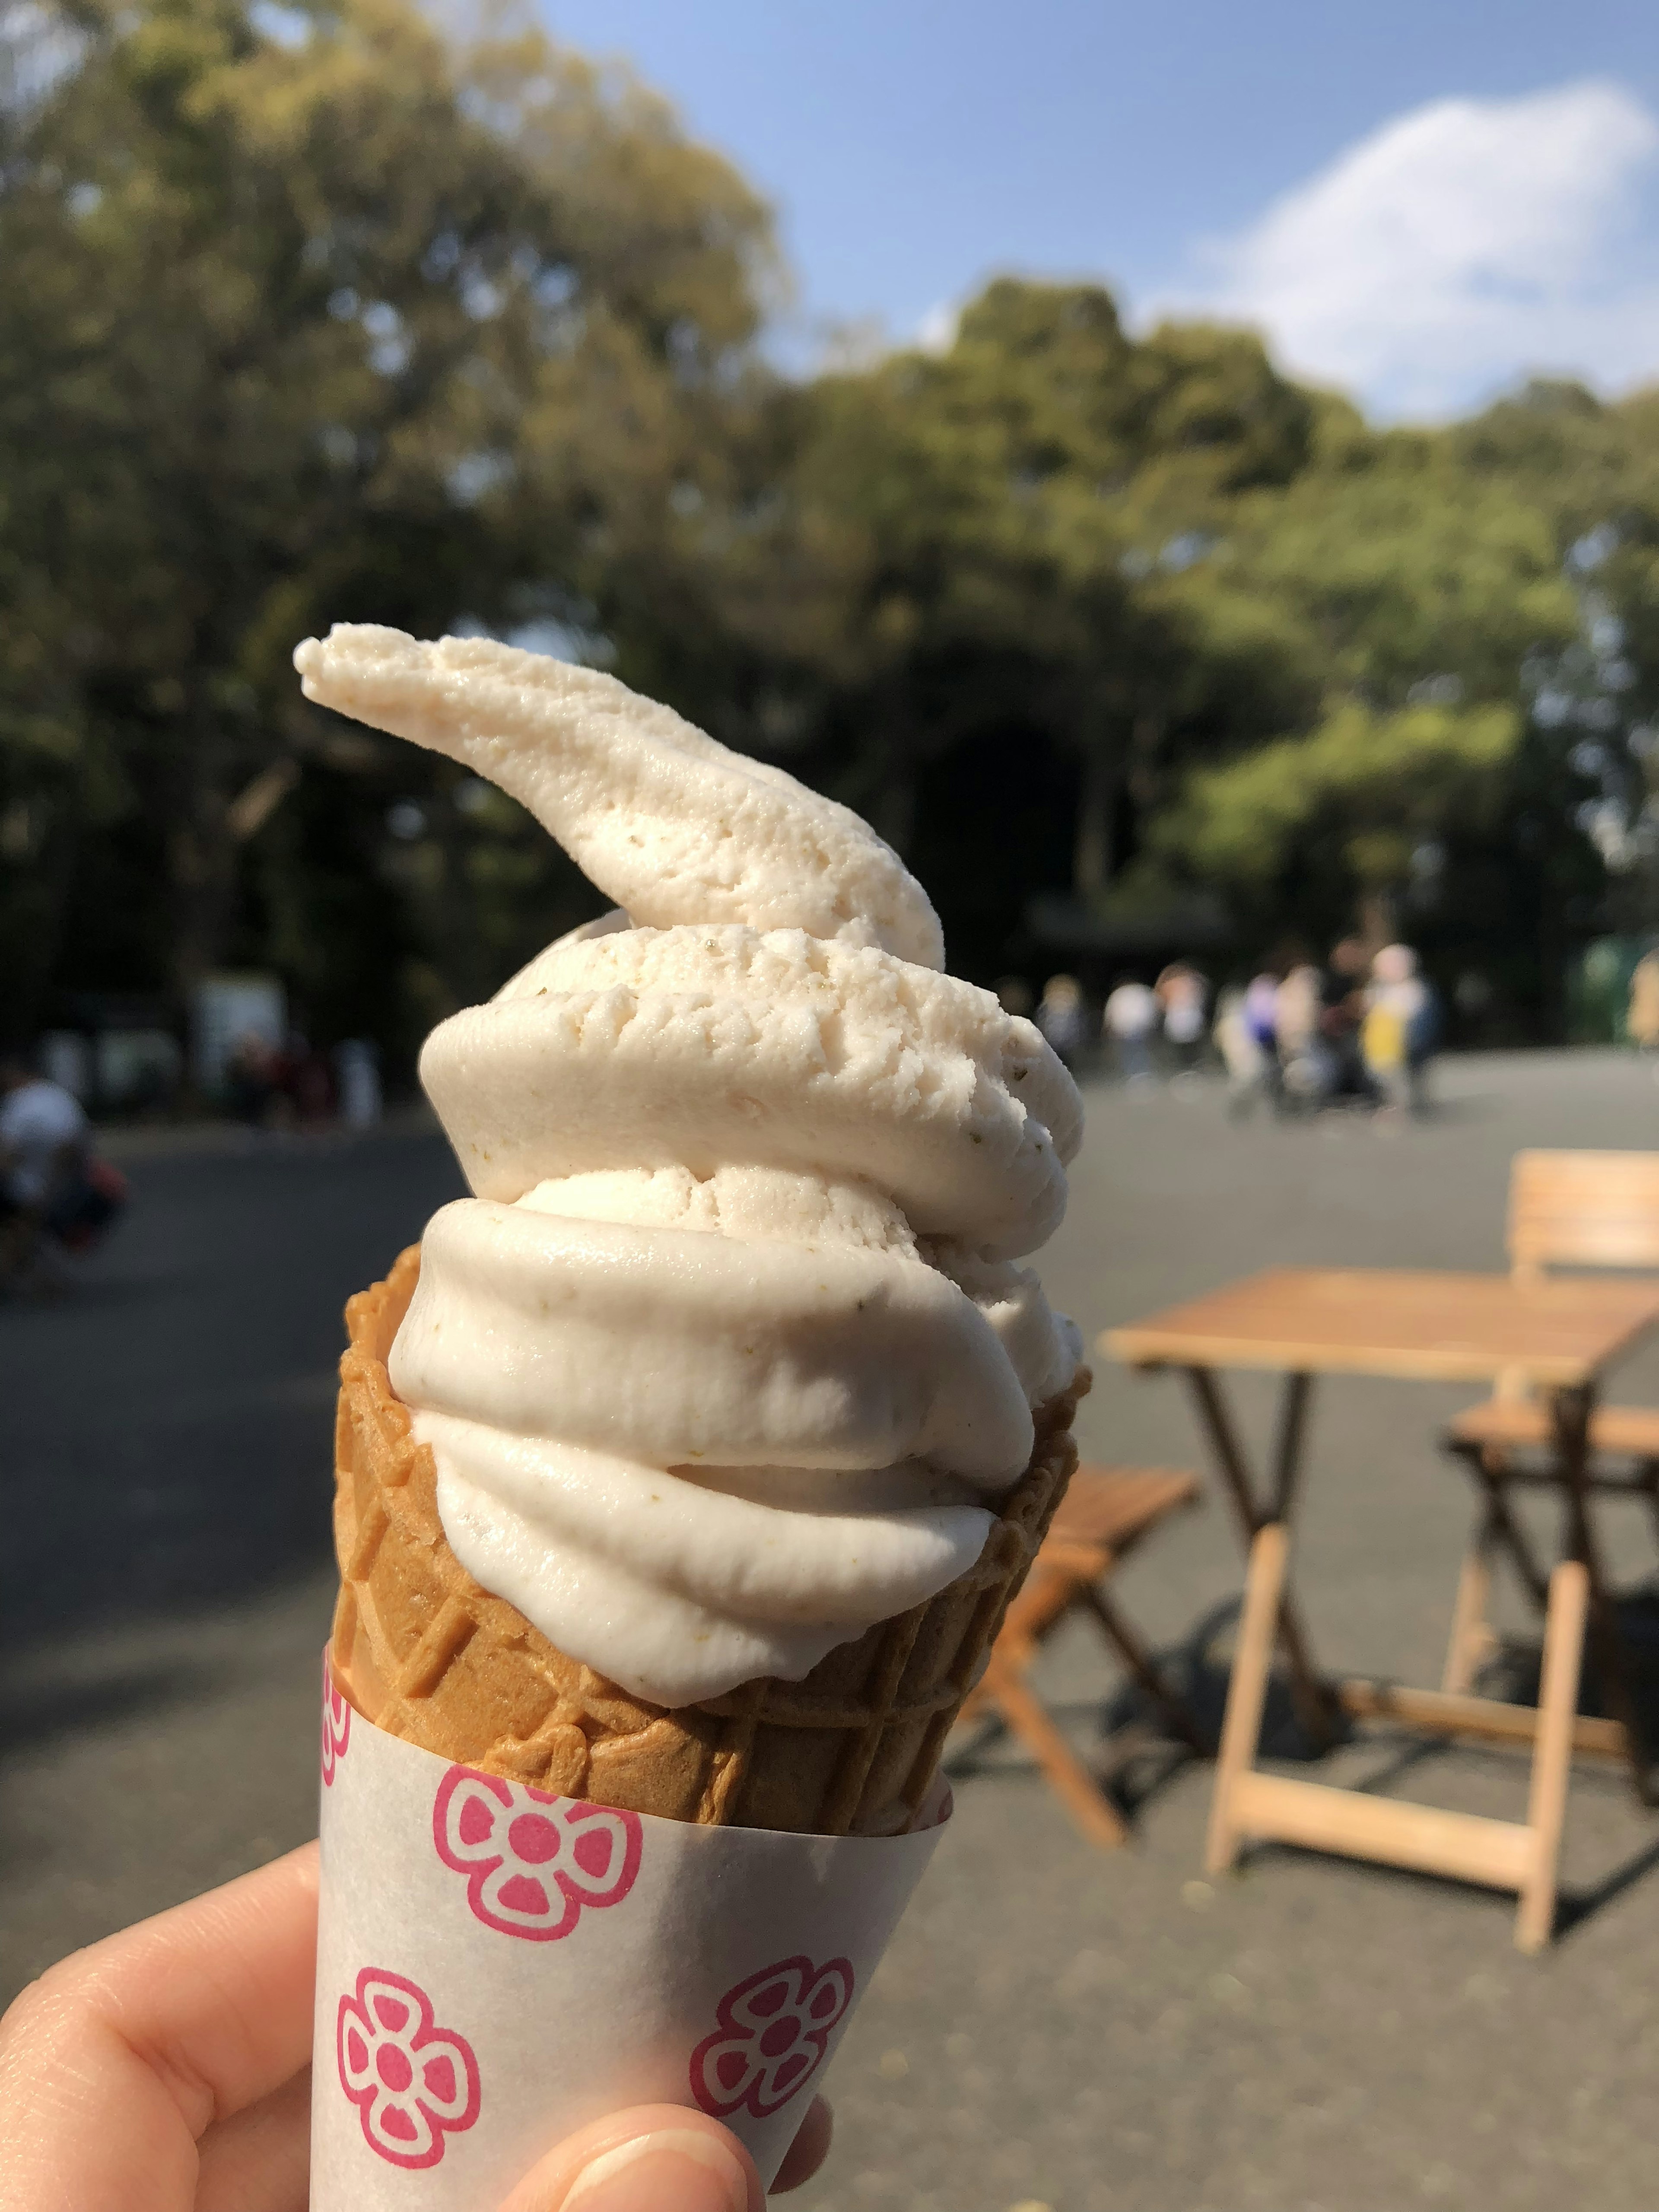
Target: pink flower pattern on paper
<point>532,1862</point>
<point>773,2028</point>
<point>413,2083</point>
<point>337,1726</point>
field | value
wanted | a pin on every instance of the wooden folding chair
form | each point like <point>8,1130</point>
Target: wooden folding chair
<point>1105,1513</point>
<point>1522,1855</point>
<point>1577,1210</point>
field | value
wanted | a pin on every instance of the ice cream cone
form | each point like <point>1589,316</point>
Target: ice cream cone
<point>426,1654</point>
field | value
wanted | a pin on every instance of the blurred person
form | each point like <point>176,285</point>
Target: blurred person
<point>1306,1072</point>
<point>44,1141</point>
<point>1340,1019</point>
<point>1241,1051</point>
<point>305,1083</point>
<point>1401,1027</point>
<point>357,1083</point>
<point>1063,1018</point>
<point>53,1183</point>
<point>1132,1014</point>
<point>44,1134</point>
<point>168,2069</point>
<point>1261,1020</point>
<point>251,1078</point>
<point>55,1192</point>
<point>1014,994</point>
<point>1296,1000</point>
<point>1641,1013</point>
<point>1180,991</point>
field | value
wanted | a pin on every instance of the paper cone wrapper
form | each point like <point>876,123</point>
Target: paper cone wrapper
<point>497,1965</point>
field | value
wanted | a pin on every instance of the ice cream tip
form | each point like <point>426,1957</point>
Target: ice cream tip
<point>667,823</point>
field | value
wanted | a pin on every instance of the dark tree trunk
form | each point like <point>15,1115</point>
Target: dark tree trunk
<point>1093,859</point>
<point>202,859</point>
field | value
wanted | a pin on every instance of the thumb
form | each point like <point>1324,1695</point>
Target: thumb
<point>656,2158</point>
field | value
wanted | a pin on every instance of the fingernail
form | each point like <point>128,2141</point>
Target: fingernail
<point>676,2170</point>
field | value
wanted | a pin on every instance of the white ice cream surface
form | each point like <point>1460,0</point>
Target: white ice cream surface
<point>677,1590</point>
<point>727,1359</point>
<point>705,1047</point>
<point>674,826</point>
<point>677,1345</point>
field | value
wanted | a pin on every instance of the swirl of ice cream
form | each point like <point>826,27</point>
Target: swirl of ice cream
<point>727,1358</point>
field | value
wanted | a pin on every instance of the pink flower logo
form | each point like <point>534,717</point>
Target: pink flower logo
<point>532,1861</point>
<point>412,2082</point>
<point>773,2031</point>
<point>336,1727</point>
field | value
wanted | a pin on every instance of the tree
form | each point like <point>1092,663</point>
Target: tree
<point>308,316</point>
<point>1417,591</point>
<point>311,313</point>
<point>1008,524</point>
<point>1593,471</point>
<point>1359,794</point>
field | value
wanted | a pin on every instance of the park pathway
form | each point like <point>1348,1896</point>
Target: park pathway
<point>1053,2027</point>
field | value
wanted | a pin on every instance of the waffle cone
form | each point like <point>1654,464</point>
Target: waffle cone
<point>423,1651</point>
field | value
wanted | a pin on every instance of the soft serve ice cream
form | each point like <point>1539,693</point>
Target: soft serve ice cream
<point>728,1356</point>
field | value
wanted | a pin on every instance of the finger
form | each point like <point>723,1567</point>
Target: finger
<point>259,2159</point>
<point>115,2062</point>
<point>657,2158</point>
<point>810,2148</point>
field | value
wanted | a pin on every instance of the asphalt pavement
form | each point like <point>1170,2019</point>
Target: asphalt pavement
<point>1054,2027</point>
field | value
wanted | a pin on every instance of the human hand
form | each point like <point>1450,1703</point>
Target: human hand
<point>167,2070</point>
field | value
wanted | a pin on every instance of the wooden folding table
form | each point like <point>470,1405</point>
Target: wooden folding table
<point>1561,1335</point>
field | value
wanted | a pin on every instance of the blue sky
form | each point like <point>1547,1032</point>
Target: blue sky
<point>1420,201</point>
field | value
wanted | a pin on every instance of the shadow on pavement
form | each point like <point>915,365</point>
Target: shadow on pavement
<point>1128,1745</point>
<point>170,1418</point>
<point>33,1712</point>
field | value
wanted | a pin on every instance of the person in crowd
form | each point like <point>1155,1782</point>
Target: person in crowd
<point>1401,1027</point>
<point>1180,991</point>
<point>307,1082</point>
<point>54,1189</point>
<point>1132,1017</point>
<point>1063,1018</point>
<point>251,1074</point>
<point>44,1149</point>
<point>1014,994</point>
<point>1261,1020</point>
<point>167,2070</point>
<point>1304,1076</point>
<point>357,1082</point>
<point>1641,1013</point>
<point>1341,1015</point>
<point>1241,1053</point>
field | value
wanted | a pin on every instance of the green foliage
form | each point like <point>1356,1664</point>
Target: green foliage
<point>1019,523</point>
<point>1380,782</point>
<point>342,324</point>
<point>313,313</point>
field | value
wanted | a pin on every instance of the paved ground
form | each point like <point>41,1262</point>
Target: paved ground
<point>1053,2027</point>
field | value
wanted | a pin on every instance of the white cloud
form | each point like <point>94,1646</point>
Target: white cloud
<point>1458,248</point>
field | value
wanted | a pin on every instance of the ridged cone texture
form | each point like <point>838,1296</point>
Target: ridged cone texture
<point>423,1651</point>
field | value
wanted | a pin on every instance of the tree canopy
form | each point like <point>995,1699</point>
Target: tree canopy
<point>320,314</point>
<point>310,315</point>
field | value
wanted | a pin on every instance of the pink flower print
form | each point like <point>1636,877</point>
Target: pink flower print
<point>532,1861</point>
<point>770,2041</point>
<point>337,1726</point>
<point>412,2082</point>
